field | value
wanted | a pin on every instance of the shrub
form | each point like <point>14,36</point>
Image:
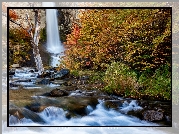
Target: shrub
<point>120,80</point>
<point>157,85</point>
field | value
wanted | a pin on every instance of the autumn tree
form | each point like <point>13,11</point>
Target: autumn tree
<point>140,38</point>
<point>26,32</point>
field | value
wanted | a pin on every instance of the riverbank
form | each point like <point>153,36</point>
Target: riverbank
<point>77,97</point>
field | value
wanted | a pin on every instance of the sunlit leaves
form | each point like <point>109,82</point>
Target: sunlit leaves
<point>13,15</point>
<point>139,37</point>
<point>19,44</point>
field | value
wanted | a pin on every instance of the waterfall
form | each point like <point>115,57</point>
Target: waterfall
<point>54,45</point>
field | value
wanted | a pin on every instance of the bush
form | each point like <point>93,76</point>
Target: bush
<point>157,85</point>
<point>121,80</point>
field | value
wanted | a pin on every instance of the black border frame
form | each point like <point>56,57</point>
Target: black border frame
<point>8,8</point>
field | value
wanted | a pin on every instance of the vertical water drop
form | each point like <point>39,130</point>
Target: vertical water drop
<point>54,45</point>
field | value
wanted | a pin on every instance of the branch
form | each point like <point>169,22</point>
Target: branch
<point>17,23</point>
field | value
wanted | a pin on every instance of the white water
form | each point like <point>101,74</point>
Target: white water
<point>54,45</point>
<point>99,117</point>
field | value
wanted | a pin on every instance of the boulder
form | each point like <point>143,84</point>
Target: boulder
<point>154,111</point>
<point>42,81</point>
<point>152,115</point>
<point>15,66</point>
<point>114,104</point>
<point>36,107</point>
<point>58,93</point>
<point>62,74</point>
<point>20,113</point>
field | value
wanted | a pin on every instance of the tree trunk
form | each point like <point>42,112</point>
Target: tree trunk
<point>35,41</point>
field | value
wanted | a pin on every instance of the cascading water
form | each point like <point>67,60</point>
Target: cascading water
<point>54,45</point>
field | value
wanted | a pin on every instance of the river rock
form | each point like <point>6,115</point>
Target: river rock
<point>12,72</point>
<point>20,113</point>
<point>154,111</point>
<point>46,74</point>
<point>75,106</point>
<point>114,104</point>
<point>152,115</point>
<point>58,93</point>
<point>62,74</point>
<point>36,107</point>
<point>17,112</point>
<point>60,82</point>
<point>15,66</point>
<point>42,81</point>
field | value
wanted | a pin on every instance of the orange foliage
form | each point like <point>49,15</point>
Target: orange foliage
<point>74,36</point>
<point>13,15</point>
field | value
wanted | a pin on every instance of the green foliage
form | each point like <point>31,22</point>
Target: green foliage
<point>120,79</point>
<point>157,85</point>
<point>43,35</point>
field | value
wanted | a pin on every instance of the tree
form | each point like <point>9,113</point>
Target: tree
<point>31,31</point>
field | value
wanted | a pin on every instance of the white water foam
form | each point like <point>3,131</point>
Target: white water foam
<point>99,117</point>
<point>130,106</point>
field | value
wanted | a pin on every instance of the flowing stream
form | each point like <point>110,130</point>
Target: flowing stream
<point>55,116</point>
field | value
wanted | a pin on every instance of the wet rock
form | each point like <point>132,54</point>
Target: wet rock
<point>68,88</point>
<point>20,113</point>
<point>31,71</point>
<point>62,74</point>
<point>136,113</point>
<point>69,115</point>
<point>15,66</point>
<point>60,82</point>
<point>155,111</point>
<point>36,107</point>
<point>75,106</point>
<point>58,93</point>
<point>77,109</point>
<point>152,115</point>
<point>43,81</point>
<point>114,104</point>
<point>13,85</point>
<point>25,80</point>
<point>17,112</point>
<point>12,72</point>
<point>33,116</point>
<point>46,74</point>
